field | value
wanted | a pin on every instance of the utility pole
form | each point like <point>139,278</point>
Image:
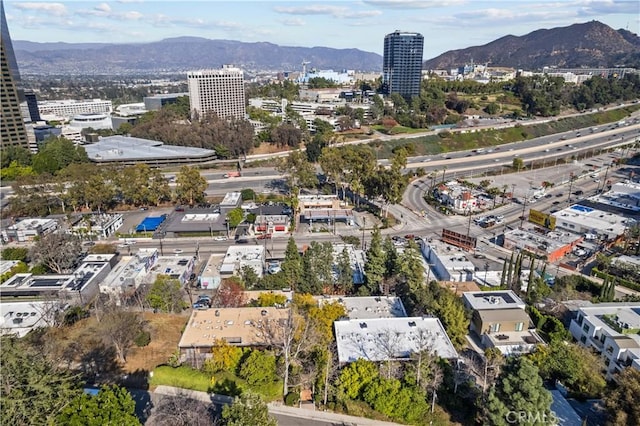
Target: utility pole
<point>364,224</point>
<point>571,177</point>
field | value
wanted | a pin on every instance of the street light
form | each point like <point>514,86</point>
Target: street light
<point>571,179</point>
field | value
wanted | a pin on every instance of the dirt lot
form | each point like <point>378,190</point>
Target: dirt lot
<point>166,330</point>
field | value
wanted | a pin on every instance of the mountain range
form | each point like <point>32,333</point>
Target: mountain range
<point>591,44</point>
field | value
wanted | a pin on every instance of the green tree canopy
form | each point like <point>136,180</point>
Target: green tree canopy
<point>519,389</point>
<point>622,403</point>
<point>165,294</point>
<point>112,406</point>
<point>247,409</point>
<point>34,391</point>
<point>190,185</point>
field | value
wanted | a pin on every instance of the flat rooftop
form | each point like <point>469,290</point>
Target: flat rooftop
<point>369,307</point>
<point>124,148</point>
<point>579,216</point>
<point>21,317</point>
<point>31,223</point>
<point>238,326</point>
<point>231,199</point>
<point>452,258</point>
<point>381,339</point>
<point>532,240</point>
<point>500,299</point>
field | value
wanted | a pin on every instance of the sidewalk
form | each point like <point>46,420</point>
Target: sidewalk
<point>274,408</point>
<point>327,416</point>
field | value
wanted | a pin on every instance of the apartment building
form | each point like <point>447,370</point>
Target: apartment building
<point>611,329</point>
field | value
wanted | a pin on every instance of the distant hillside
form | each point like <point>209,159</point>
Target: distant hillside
<point>182,54</point>
<point>592,44</point>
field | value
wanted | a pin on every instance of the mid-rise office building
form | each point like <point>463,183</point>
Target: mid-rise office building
<point>68,108</point>
<point>402,63</point>
<point>217,91</point>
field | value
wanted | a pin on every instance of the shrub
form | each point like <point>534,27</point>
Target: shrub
<point>292,398</point>
<point>143,339</point>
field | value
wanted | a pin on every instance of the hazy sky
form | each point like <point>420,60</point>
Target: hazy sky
<point>445,24</point>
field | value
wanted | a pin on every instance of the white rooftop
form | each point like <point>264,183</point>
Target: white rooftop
<point>243,255</point>
<point>369,307</point>
<point>381,339</point>
<point>530,240</point>
<point>231,199</point>
<point>499,299</point>
<point>21,317</point>
<point>31,223</point>
<point>598,221</point>
<point>121,148</point>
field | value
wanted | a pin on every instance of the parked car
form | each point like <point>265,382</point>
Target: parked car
<point>264,237</point>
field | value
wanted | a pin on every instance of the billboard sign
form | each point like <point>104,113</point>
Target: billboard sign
<point>542,219</point>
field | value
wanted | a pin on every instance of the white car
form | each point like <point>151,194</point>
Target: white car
<point>177,251</point>
<point>220,238</point>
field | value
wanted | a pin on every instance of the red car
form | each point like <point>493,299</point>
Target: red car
<point>264,236</point>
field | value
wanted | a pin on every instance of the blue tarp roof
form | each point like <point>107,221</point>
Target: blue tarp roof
<point>150,223</point>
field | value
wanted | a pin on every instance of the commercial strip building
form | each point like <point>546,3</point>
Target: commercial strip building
<point>384,339</point>
<point>324,208</point>
<point>499,319</point>
<point>245,327</point>
<point>584,220</point>
<point>612,330</point>
<point>553,245</point>
<point>78,288</point>
<point>218,91</point>
<point>240,256</point>
<point>29,229</point>
<point>97,226</point>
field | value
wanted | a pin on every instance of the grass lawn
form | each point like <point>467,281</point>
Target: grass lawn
<point>224,382</point>
<point>181,377</point>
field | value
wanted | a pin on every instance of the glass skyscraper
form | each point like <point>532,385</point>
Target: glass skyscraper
<point>402,63</point>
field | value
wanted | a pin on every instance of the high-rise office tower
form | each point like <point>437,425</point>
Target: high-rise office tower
<point>220,91</point>
<point>12,128</point>
<point>402,63</point>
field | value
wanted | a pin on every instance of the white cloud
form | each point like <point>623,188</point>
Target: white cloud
<point>414,4</point>
<point>334,11</point>
<point>103,7</point>
<point>293,22</point>
<point>56,9</point>
<point>132,15</point>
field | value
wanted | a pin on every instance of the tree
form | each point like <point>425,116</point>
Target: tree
<point>57,252</point>
<point>355,377</point>
<point>247,409</point>
<point>235,217</point>
<point>120,328</point>
<point>411,267</point>
<point>519,389</point>
<point>258,368</point>
<point>374,268</point>
<point>291,266</point>
<point>577,367</point>
<point>165,294</point>
<point>182,410</point>
<point>517,164</point>
<point>224,357</point>
<point>33,389</point>
<point>112,406</point>
<point>344,273</point>
<point>300,172</point>
<point>622,403</point>
<point>190,185</point>
<point>249,277</point>
<point>230,294</point>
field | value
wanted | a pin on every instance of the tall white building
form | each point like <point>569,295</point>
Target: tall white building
<point>220,91</point>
